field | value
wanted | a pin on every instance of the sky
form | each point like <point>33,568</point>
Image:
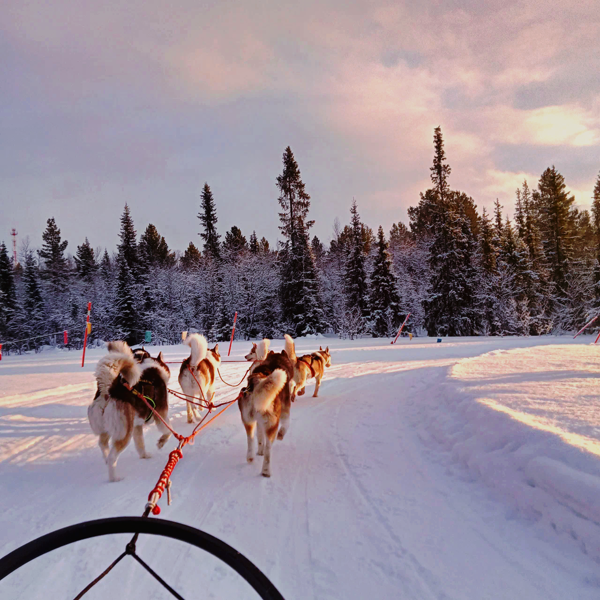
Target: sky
<point>104,103</point>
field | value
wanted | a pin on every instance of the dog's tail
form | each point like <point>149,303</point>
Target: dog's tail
<point>266,390</point>
<point>290,348</point>
<point>118,361</point>
<point>262,349</point>
<point>199,347</point>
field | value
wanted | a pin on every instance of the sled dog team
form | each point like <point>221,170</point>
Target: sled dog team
<point>117,412</point>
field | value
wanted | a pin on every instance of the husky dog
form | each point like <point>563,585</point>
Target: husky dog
<point>258,353</point>
<point>266,402</point>
<point>117,413</point>
<point>308,366</point>
<point>198,372</point>
<point>140,354</point>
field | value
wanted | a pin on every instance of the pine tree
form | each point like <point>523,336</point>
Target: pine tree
<point>126,319</point>
<point>254,245</point>
<point>264,245</point>
<point>299,288</point>
<point>450,307</point>
<point>208,218</point>
<point>85,262</point>
<point>596,227</point>
<point>154,250</point>
<point>130,312</point>
<point>488,247</point>
<point>384,300</point>
<point>355,276</point>
<point>53,255</point>
<point>235,242</point>
<point>558,222</point>
<point>127,248</point>
<point>55,273</point>
<point>191,257</point>
<point>499,225</point>
<point>8,300</point>
<point>32,320</point>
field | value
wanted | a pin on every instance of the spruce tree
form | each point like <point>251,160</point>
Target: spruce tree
<point>32,320</point>
<point>127,248</point>
<point>55,274</point>
<point>254,245</point>
<point>208,218</point>
<point>355,275</point>
<point>191,257</point>
<point>85,262</point>
<point>235,242</point>
<point>8,300</point>
<point>450,307</point>
<point>53,255</point>
<point>596,227</point>
<point>154,250</point>
<point>558,223</point>
<point>384,301</point>
<point>127,321</point>
<point>299,288</point>
<point>129,316</point>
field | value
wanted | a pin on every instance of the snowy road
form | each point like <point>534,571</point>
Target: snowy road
<point>368,497</point>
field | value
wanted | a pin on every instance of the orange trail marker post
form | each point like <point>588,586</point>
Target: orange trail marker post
<point>401,328</point>
<point>232,333</point>
<point>88,328</point>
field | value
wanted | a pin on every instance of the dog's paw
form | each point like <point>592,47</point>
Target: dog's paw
<point>146,455</point>
<point>302,392</point>
<point>261,452</point>
<point>280,434</point>
<point>115,479</point>
<point>250,459</point>
<point>266,473</point>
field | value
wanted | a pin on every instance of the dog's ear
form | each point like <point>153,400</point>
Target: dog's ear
<point>321,348</point>
<point>216,348</point>
<point>283,353</point>
<point>160,357</point>
<point>327,349</point>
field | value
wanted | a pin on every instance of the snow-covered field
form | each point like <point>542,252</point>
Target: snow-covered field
<point>468,469</point>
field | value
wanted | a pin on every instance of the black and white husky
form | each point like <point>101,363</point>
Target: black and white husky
<point>198,373</point>
<point>116,413</point>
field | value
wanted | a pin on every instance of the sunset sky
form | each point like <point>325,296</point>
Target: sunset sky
<point>104,103</point>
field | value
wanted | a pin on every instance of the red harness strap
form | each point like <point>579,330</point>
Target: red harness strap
<point>309,365</point>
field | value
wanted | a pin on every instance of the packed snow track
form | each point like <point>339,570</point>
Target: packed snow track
<point>468,469</point>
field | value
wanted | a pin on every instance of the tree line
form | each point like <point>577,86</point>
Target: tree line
<point>458,272</point>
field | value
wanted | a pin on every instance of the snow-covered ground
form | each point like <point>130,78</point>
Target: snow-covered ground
<point>468,469</point>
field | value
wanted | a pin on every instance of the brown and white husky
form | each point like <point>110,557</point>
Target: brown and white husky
<point>116,413</point>
<point>258,353</point>
<point>203,363</point>
<point>265,405</point>
<point>308,366</point>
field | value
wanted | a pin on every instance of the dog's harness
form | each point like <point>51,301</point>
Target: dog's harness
<point>148,399</point>
<point>309,365</point>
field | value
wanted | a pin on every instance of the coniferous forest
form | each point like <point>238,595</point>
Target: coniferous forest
<point>457,270</point>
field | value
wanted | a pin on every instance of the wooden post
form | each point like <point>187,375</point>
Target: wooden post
<point>85,335</point>
<point>232,333</point>
<point>401,328</point>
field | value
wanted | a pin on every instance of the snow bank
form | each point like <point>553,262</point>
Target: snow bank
<point>527,423</point>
